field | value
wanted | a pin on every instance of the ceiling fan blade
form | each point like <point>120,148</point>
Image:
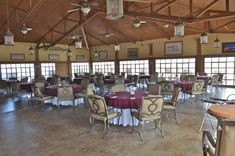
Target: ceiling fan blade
<point>143,22</point>
<point>111,34</point>
<point>29,29</point>
<point>94,4</point>
<point>74,4</point>
<point>72,10</point>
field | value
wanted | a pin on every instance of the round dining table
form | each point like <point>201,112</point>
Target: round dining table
<point>112,81</point>
<point>124,102</point>
<point>225,111</point>
<point>52,90</point>
<point>185,85</point>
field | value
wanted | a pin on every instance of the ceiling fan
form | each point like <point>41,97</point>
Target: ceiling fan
<point>108,33</point>
<point>75,36</point>
<point>24,30</point>
<point>84,7</point>
<point>137,22</point>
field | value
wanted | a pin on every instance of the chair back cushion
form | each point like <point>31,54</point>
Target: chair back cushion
<point>65,93</point>
<point>40,85</point>
<point>226,138</point>
<point>151,108</point>
<point>167,86</point>
<point>97,105</point>
<point>154,89</point>
<point>89,90</point>
<point>118,88</point>
<point>215,80</point>
<point>84,83</point>
<point>197,87</point>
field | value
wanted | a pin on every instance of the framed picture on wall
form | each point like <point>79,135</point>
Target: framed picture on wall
<point>173,48</point>
<point>132,53</point>
<point>228,47</point>
<point>80,57</point>
<point>17,56</point>
<point>102,55</point>
<point>53,56</point>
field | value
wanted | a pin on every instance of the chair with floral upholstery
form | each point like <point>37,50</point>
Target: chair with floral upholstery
<point>197,89</point>
<point>154,89</point>
<point>65,93</point>
<point>167,88</point>
<point>172,104</point>
<point>223,144</point>
<point>150,110</point>
<point>99,111</point>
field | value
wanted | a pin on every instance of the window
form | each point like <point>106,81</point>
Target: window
<point>48,69</point>
<point>18,70</point>
<point>134,67</point>
<point>80,68</point>
<point>172,68</point>
<point>224,65</point>
<point>103,67</point>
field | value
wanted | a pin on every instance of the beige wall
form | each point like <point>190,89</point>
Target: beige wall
<point>189,47</point>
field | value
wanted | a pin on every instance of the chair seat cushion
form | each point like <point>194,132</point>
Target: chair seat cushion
<point>168,105</point>
<point>146,118</point>
<point>104,118</point>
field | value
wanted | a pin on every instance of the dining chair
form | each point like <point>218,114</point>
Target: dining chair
<point>224,143</point>
<point>150,110</point>
<point>154,89</point>
<point>65,93</point>
<point>197,89</point>
<point>39,97</point>
<point>84,94</point>
<point>40,85</point>
<point>231,99</point>
<point>120,80</point>
<point>183,77</point>
<point>135,81</point>
<point>167,88</point>
<point>118,88</point>
<point>99,111</point>
<point>3,86</point>
<point>192,78</point>
<point>172,104</point>
<point>214,81</point>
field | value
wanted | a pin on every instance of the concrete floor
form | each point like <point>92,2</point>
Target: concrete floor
<point>25,130</point>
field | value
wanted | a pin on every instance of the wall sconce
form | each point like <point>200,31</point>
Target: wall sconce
<point>69,52</point>
<point>117,47</point>
<point>31,50</point>
<point>204,38</point>
<point>96,54</point>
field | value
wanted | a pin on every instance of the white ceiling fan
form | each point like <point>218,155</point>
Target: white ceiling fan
<point>74,36</point>
<point>84,7</point>
<point>107,33</point>
<point>137,22</point>
<point>24,30</point>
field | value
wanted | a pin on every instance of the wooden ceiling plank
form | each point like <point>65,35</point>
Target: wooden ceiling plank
<point>29,14</point>
<point>151,5</point>
<point>95,37</point>
<point>206,8</point>
<point>77,26</point>
<point>165,6</point>
<point>59,32</point>
<point>223,25</point>
<point>162,31</point>
<point>227,5</point>
<point>72,20</point>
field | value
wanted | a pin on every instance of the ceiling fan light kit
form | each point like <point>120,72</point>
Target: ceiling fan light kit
<point>86,10</point>
<point>114,9</point>
<point>179,29</point>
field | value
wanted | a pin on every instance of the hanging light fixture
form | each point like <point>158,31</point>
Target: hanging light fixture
<point>31,50</point>
<point>116,47</point>
<point>78,44</point>
<point>114,9</point>
<point>179,29</point>
<point>69,52</point>
<point>8,37</point>
<point>204,38</point>
<point>216,42</point>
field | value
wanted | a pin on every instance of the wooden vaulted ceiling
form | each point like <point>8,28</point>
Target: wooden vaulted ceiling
<point>52,24</point>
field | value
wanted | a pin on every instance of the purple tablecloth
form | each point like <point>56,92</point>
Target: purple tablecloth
<point>78,80</point>
<point>26,86</point>
<point>112,81</point>
<point>144,76</point>
<point>185,85</point>
<point>52,90</point>
<point>124,100</point>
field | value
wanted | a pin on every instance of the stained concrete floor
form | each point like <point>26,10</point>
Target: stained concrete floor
<point>26,130</point>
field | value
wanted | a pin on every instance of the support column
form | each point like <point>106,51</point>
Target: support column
<point>37,65</point>
<point>151,60</point>
<point>116,63</point>
<point>69,66</point>
<point>199,58</point>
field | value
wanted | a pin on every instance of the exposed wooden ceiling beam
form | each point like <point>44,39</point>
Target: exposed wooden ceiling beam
<point>206,8</point>
<point>223,25</point>
<point>84,36</point>
<point>165,6</point>
<point>190,8</point>
<point>151,5</point>
<point>77,26</point>
<point>227,5</point>
<point>214,17</point>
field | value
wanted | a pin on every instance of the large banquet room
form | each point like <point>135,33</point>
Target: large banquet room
<point>117,77</point>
